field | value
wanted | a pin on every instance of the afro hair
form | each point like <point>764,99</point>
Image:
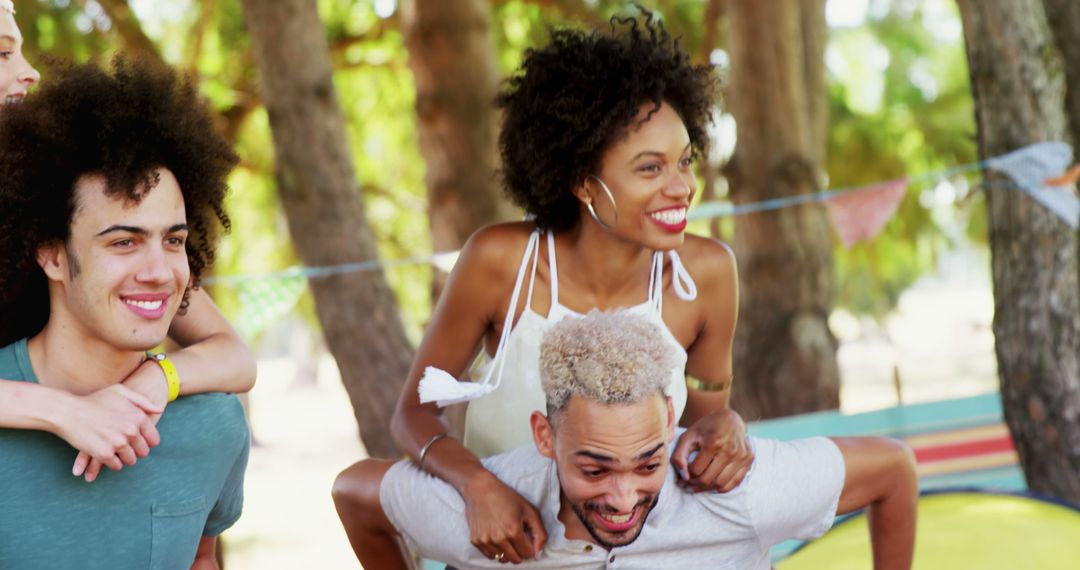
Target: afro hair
<point>572,99</point>
<point>123,123</point>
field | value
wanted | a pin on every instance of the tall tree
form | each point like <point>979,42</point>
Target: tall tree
<point>321,200</point>
<point>452,59</point>
<point>785,355</point>
<point>1018,101</point>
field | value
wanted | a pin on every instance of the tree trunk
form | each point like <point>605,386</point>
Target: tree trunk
<point>1064,19</point>
<point>453,62</point>
<point>710,168</point>
<point>129,29</point>
<point>321,200</point>
<point>785,355</point>
<point>1018,101</point>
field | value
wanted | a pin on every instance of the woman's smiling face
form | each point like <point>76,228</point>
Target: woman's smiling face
<point>649,173</point>
<point>16,74</point>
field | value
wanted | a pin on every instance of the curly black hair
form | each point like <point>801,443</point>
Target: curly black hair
<point>572,99</point>
<point>122,122</point>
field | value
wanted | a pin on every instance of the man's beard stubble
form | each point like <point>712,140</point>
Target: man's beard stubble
<point>581,512</point>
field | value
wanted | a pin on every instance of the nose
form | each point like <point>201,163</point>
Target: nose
<point>680,185</point>
<point>28,75</point>
<point>622,496</point>
<point>156,268</point>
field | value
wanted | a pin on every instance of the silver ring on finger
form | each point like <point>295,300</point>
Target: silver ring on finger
<point>499,556</point>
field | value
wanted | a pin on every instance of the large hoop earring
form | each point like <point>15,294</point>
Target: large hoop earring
<point>614,208</point>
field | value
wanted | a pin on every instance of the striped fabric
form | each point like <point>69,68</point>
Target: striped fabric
<point>957,443</point>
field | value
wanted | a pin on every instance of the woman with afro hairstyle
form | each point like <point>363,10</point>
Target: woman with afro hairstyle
<point>213,357</point>
<point>599,137</point>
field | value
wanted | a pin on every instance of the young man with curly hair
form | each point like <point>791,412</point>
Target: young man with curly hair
<point>209,355</point>
<point>599,473</point>
<point>111,184</point>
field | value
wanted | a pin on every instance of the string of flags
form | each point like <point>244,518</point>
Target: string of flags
<point>1042,170</point>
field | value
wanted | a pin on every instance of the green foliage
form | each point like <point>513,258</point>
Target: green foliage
<point>910,116</point>
<point>899,106</point>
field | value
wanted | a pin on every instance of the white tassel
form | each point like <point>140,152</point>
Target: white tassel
<point>440,387</point>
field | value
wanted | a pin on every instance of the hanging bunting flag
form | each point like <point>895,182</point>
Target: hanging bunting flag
<point>1068,179</point>
<point>264,300</point>
<point>860,214</point>
<point>1033,165</point>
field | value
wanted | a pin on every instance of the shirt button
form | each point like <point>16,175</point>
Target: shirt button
<point>588,548</point>
<point>612,559</point>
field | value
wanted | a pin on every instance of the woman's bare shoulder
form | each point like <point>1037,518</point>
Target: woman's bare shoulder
<point>709,260</point>
<point>496,250</point>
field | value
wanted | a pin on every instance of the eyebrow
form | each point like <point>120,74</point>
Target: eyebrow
<point>647,454</point>
<point>139,231</point>
<point>608,459</point>
<point>655,152</point>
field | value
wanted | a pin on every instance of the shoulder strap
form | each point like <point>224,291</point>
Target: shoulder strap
<point>681,281</point>
<point>440,387</point>
<point>553,269</point>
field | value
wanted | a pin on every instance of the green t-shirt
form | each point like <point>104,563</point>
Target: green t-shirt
<point>150,515</point>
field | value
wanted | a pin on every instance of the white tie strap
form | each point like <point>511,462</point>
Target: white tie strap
<point>440,387</point>
<point>684,285</point>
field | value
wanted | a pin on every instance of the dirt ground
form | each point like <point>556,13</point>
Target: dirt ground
<point>304,435</point>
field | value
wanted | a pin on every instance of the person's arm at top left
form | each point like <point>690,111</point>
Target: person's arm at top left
<point>715,431</point>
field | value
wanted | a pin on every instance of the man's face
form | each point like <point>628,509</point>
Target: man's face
<point>612,461</point>
<point>124,270</point>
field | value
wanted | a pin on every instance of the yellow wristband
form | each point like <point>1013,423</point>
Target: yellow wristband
<point>170,373</point>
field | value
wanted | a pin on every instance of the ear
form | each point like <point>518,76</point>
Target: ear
<point>52,257</point>
<point>543,434</point>
<point>670,420</point>
<point>581,191</point>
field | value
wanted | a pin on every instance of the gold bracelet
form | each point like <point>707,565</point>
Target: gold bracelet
<point>427,446</point>
<point>695,384</point>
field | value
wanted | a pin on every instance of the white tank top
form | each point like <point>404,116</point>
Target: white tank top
<point>499,421</point>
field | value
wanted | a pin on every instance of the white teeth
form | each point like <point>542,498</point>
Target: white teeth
<point>148,305</point>
<point>618,519</point>
<point>670,217</point>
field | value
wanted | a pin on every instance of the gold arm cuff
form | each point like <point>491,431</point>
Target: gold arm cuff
<point>695,384</point>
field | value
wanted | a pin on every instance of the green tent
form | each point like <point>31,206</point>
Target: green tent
<point>959,530</point>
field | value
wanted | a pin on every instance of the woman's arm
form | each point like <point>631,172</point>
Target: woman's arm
<point>716,432</point>
<point>97,424</point>
<point>708,359</point>
<point>500,520</point>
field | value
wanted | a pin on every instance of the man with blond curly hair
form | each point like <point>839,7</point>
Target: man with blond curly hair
<point>599,475</point>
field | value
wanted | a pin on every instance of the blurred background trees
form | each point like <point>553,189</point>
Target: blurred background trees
<point>857,92</point>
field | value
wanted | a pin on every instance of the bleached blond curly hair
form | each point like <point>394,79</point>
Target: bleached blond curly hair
<point>615,357</point>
